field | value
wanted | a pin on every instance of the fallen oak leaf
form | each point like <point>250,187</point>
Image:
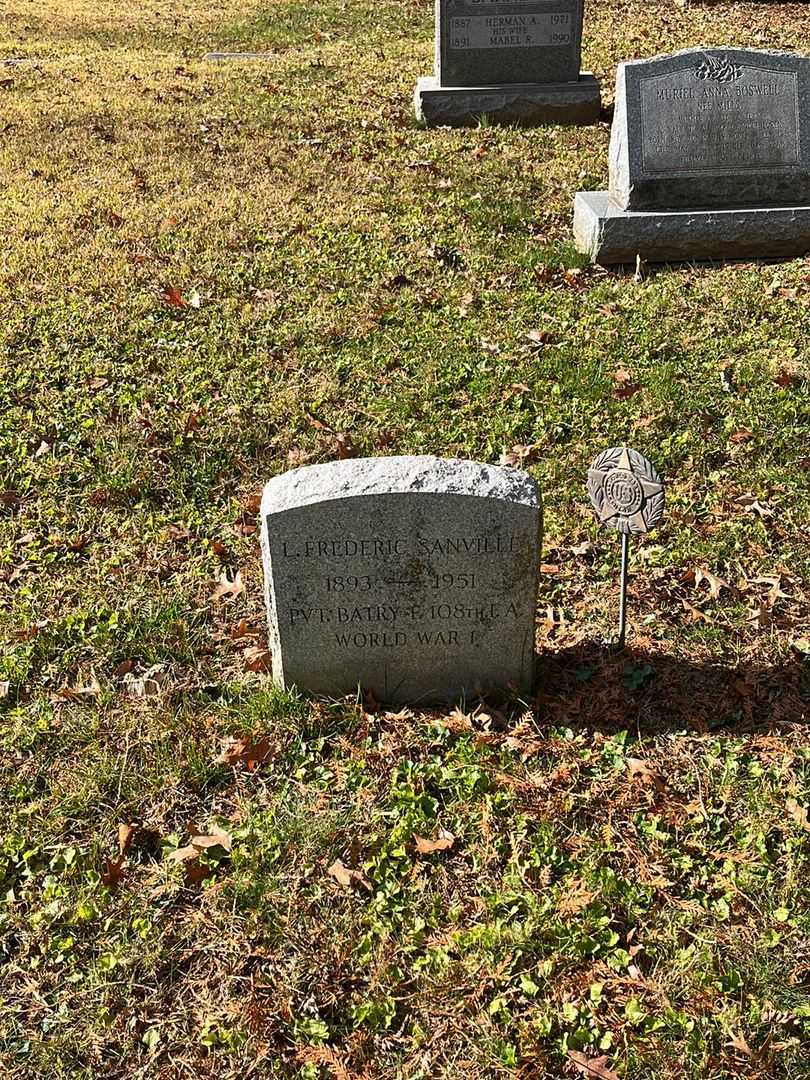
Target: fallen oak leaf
<point>243,631</point>
<point>622,375</point>
<point>541,337</point>
<point>638,769</point>
<point>344,446</point>
<point>775,593</point>
<point>457,721</point>
<point>596,1067</point>
<point>216,838</point>
<point>626,390</point>
<point>183,854</point>
<point>798,813</point>
<point>243,748</point>
<point>296,457</point>
<point>150,684</point>
<point>172,296</point>
<point>741,436</point>
<point>760,616</point>
<point>518,456</point>
<point>716,584</point>
<point>257,658</point>
<point>426,847</point>
<point>584,548</point>
<point>78,693</point>
<point>228,588</point>
<point>220,550</point>
<point>346,877</point>
<point>189,855</point>
<point>695,614</point>
<point>126,834</point>
<point>113,871</point>
<point>738,1042</point>
<point>750,502</point>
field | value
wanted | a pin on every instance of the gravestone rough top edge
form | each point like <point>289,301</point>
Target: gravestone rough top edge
<point>403,474</point>
<point>739,50</point>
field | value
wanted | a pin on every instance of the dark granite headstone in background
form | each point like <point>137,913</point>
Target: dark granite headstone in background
<point>513,61</point>
<point>712,127</point>
<point>709,159</point>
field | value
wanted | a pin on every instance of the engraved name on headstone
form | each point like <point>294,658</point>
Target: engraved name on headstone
<point>413,577</point>
<point>485,42</point>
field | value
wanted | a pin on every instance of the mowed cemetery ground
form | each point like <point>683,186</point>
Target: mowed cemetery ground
<point>215,272</point>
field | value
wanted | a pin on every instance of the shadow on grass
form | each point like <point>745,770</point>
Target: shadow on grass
<point>591,686</point>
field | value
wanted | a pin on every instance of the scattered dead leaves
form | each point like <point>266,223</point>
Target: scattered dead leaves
<point>244,749</point>
<point>594,1067</point>
<point>755,506</point>
<point>716,584</point>
<point>257,658</point>
<point>326,1056</point>
<point>227,588</point>
<point>151,683</point>
<point>173,297</point>
<point>126,834</point>
<point>519,456</point>
<point>80,692</point>
<point>695,614</point>
<point>346,877</point>
<point>638,769</point>
<point>113,871</point>
<point>189,856</point>
<point>575,898</point>
<point>798,813</point>
<point>624,386</point>
<point>344,446</point>
<point>539,338</point>
<point>444,842</point>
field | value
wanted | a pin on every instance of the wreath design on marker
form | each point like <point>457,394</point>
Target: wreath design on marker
<point>718,69</point>
<point>626,491</point>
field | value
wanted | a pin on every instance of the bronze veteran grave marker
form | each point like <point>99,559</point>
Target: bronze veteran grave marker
<point>709,158</point>
<point>413,577</point>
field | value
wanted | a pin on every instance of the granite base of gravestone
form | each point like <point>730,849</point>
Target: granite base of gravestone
<point>508,61</point>
<point>709,159</point>
<point>414,578</point>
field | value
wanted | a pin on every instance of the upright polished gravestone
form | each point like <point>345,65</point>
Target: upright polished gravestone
<point>709,159</point>
<point>412,577</point>
<point>513,61</point>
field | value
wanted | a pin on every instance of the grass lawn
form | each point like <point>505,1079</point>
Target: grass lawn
<point>214,272</point>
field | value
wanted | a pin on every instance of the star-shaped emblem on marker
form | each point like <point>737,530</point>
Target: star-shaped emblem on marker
<point>626,496</point>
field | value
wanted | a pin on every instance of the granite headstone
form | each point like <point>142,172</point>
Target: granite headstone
<point>709,158</point>
<point>412,577</point>
<point>509,60</point>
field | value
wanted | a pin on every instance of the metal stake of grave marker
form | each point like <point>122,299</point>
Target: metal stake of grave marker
<point>628,496</point>
<point>623,592</point>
